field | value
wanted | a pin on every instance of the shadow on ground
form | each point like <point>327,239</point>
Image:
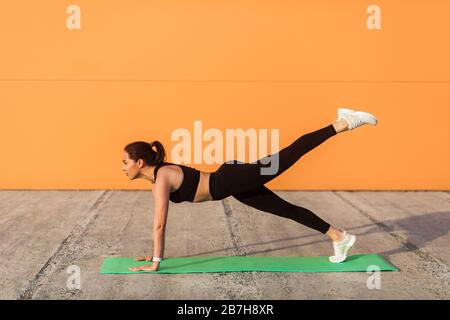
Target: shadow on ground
<point>417,231</point>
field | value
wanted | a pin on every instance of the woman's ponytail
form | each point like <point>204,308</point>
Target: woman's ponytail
<point>144,150</point>
<point>160,152</point>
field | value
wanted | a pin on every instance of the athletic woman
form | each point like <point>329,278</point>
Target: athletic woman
<point>243,181</point>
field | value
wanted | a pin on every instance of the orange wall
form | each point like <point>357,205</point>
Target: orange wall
<point>138,70</point>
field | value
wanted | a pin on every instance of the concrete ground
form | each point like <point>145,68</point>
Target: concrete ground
<point>42,233</point>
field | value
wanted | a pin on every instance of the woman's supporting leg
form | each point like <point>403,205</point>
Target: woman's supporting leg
<point>264,199</point>
<point>232,178</point>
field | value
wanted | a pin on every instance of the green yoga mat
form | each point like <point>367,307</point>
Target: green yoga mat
<point>354,263</point>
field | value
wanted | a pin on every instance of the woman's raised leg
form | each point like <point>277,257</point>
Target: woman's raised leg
<point>231,178</point>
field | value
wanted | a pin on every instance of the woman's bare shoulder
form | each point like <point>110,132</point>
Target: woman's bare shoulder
<point>170,175</point>
<point>168,170</point>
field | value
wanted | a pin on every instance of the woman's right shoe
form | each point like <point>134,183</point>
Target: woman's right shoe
<point>341,248</point>
<point>355,118</point>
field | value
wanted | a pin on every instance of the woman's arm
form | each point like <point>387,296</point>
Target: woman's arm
<point>161,191</point>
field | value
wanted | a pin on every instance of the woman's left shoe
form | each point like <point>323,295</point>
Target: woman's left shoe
<point>355,118</point>
<point>342,247</point>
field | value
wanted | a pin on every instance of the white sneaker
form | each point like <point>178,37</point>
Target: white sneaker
<point>342,247</point>
<point>355,118</point>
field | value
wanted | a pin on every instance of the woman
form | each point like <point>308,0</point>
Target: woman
<point>243,181</point>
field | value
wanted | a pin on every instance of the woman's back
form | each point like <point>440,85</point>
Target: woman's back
<point>188,187</point>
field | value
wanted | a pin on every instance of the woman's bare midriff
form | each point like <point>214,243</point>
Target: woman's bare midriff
<point>202,193</point>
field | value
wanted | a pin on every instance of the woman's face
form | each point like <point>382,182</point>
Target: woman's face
<point>130,167</point>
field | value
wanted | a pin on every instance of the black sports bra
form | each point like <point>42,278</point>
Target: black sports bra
<point>191,179</point>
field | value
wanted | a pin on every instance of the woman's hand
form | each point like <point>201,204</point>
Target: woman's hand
<point>153,267</point>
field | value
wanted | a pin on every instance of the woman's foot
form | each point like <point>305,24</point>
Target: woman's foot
<point>356,119</point>
<point>342,247</point>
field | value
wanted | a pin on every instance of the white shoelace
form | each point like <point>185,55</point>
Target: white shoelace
<point>353,121</point>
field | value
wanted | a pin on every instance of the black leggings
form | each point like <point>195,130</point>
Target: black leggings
<point>245,182</point>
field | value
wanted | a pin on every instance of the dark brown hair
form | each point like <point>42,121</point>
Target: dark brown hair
<point>144,150</point>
